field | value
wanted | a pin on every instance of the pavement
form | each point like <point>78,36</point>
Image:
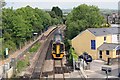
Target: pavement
<point>96,72</point>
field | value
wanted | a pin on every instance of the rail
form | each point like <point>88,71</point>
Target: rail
<point>58,70</point>
<point>37,72</point>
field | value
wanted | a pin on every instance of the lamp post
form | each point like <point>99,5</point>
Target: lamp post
<point>83,61</point>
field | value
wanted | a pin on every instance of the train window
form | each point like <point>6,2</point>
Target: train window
<point>61,47</point>
<point>54,47</point>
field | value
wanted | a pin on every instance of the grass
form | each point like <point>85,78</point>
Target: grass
<point>24,62</point>
<point>34,48</point>
<point>21,64</point>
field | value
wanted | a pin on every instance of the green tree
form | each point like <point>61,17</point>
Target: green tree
<point>52,14</point>
<point>19,25</point>
<point>56,16</point>
<point>57,11</point>
<point>81,18</point>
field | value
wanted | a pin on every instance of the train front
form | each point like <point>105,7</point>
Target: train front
<point>58,47</point>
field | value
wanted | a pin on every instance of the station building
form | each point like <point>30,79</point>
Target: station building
<point>100,43</point>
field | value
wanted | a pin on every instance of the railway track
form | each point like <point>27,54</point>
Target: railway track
<point>38,70</point>
<point>58,70</point>
<point>36,74</point>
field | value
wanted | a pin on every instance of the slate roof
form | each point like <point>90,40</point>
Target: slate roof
<point>108,46</point>
<point>104,31</point>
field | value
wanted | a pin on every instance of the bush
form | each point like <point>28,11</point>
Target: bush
<point>72,55</point>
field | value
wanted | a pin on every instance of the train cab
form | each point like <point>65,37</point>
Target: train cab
<point>58,50</point>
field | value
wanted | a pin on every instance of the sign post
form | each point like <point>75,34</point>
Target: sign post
<point>107,71</point>
<point>6,52</point>
<point>35,35</point>
<point>73,63</point>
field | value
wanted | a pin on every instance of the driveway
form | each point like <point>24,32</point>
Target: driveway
<point>96,72</point>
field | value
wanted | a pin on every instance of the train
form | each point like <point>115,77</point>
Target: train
<point>58,46</point>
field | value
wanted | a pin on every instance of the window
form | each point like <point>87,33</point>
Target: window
<point>118,37</point>
<point>118,52</point>
<point>107,52</point>
<point>105,39</point>
<point>93,44</point>
<point>61,47</point>
<point>54,47</point>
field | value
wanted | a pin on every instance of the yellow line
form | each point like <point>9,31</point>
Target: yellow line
<point>58,49</point>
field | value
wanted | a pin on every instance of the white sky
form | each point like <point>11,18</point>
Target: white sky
<point>64,4</point>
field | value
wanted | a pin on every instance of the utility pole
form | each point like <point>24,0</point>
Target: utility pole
<point>73,63</point>
<point>83,61</point>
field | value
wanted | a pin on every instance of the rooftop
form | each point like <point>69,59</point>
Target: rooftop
<point>104,31</point>
<point>109,46</point>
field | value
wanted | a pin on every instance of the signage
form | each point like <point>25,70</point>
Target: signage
<point>6,51</point>
<point>108,69</point>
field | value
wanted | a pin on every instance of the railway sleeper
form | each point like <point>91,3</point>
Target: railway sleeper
<point>61,70</point>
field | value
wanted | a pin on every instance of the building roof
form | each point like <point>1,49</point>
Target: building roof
<point>108,46</point>
<point>104,31</point>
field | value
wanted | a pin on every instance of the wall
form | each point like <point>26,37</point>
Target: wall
<point>1,70</point>
<point>82,43</point>
<point>9,73</point>
<point>100,40</point>
<point>114,39</point>
<point>112,54</point>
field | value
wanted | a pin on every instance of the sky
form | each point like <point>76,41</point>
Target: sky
<point>63,4</point>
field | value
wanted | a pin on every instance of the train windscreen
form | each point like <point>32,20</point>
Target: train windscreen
<point>61,47</point>
<point>57,47</point>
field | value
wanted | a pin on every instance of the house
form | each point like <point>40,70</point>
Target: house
<point>108,50</point>
<point>100,43</point>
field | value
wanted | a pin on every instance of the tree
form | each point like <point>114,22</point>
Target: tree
<point>56,16</point>
<point>57,11</point>
<point>19,25</point>
<point>52,14</point>
<point>81,18</point>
